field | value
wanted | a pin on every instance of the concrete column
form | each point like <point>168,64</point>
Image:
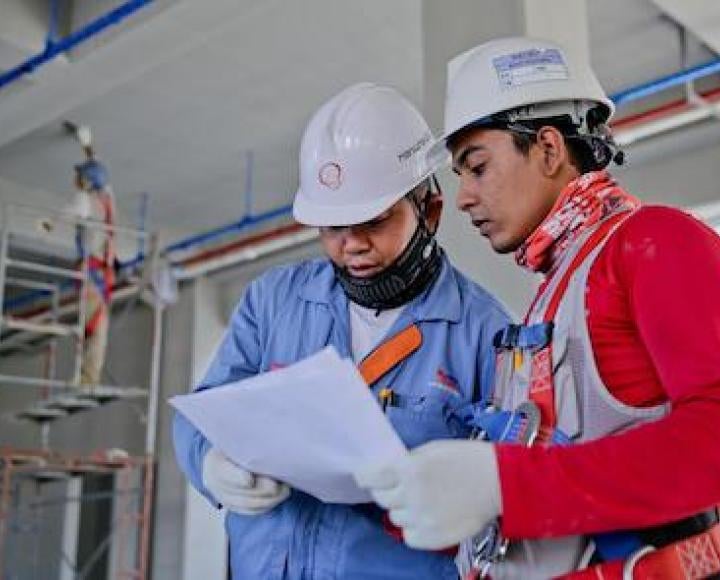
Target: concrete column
<point>564,21</point>
<point>449,29</point>
<point>71,529</point>
<point>205,544</point>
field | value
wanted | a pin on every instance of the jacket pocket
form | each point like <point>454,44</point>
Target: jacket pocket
<point>422,417</point>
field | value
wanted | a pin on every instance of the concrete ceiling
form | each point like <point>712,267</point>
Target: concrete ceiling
<point>179,96</point>
<point>176,104</point>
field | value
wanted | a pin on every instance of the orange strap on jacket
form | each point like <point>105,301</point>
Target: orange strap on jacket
<point>390,353</point>
<point>693,558</point>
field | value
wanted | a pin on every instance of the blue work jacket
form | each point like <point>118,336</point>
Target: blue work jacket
<point>292,312</point>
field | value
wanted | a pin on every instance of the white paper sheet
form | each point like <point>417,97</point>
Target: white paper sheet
<point>310,425</point>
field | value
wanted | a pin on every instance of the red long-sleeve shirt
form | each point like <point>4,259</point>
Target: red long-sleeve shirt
<point>653,306</point>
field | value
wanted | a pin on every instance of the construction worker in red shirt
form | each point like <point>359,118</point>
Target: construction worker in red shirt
<point>597,454</point>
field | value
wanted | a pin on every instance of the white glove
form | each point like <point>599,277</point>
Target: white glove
<point>440,493</point>
<point>240,490</point>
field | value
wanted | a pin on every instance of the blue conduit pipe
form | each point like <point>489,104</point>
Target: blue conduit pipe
<point>52,34</point>
<point>662,83</point>
<point>54,48</point>
<point>142,223</point>
<point>244,223</point>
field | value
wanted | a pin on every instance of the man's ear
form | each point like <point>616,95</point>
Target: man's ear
<point>553,150</point>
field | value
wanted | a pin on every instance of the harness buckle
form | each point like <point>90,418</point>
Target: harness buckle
<point>488,549</point>
<point>631,562</point>
<point>530,412</point>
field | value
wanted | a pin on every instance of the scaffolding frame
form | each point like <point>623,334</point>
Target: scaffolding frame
<point>62,316</point>
<point>81,276</point>
<point>42,465</point>
<point>61,397</point>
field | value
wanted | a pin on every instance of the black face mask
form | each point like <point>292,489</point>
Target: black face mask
<point>414,270</point>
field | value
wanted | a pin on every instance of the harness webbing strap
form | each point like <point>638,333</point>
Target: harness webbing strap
<point>590,244</point>
<point>542,391</point>
<point>693,558</point>
<point>92,324</point>
<point>390,353</point>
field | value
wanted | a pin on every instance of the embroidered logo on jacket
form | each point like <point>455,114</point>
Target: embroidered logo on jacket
<point>445,382</point>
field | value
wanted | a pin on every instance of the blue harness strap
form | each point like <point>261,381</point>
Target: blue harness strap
<point>513,426</point>
<point>533,337</point>
<point>502,426</point>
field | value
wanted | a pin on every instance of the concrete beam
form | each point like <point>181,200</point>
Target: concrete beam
<point>700,17</point>
<point>161,37</point>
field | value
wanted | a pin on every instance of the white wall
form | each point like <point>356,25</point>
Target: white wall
<point>680,168</point>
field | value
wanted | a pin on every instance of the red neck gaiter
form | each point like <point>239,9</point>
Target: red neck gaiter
<point>583,202</point>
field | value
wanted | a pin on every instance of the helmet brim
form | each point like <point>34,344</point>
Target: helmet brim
<point>317,215</point>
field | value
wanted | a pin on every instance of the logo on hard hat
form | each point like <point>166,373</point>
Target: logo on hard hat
<point>330,175</point>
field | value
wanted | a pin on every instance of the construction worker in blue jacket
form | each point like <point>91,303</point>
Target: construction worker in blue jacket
<point>385,286</point>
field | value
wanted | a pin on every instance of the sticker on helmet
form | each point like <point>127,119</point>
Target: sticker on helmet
<point>414,148</point>
<point>530,66</point>
<point>330,175</point>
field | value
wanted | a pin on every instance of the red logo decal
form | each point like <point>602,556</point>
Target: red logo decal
<point>447,381</point>
<point>330,175</point>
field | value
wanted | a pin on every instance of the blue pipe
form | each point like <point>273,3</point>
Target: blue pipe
<point>52,34</point>
<point>244,223</point>
<point>53,49</point>
<point>662,83</point>
<point>142,224</point>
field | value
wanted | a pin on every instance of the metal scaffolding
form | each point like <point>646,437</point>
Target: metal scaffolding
<point>61,291</point>
<point>44,496</point>
<point>28,512</point>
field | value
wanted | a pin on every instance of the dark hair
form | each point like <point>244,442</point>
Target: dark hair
<point>579,151</point>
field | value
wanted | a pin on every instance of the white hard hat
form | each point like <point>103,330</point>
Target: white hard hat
<point>512,73</point>
<point>362,151</point>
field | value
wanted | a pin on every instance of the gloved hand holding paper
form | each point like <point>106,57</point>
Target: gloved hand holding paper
<point>311,425</point>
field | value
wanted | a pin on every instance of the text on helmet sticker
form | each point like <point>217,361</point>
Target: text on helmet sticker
<point>530,66</point>
<point>330,175</point>
<point>414,148</point>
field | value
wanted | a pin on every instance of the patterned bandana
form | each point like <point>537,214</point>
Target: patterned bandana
<point>583,202</point>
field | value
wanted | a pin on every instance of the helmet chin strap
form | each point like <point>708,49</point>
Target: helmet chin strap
<point>413,271</point>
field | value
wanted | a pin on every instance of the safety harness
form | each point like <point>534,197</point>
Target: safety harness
<point>691,558</point>
<point>623,554</point>
<point>100,270</point>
